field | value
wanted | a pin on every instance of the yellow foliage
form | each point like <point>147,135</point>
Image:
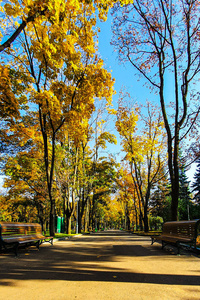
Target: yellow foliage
<point>9,104</point>
<point>57,51</point>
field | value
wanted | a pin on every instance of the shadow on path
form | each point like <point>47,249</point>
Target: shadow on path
<point>89,259</point>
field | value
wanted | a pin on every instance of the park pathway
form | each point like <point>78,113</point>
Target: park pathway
<point>110,265</point>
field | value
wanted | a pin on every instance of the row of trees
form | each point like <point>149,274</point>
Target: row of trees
<point>160,39</point>
<point>143,181</point>
<point>51,76</point>
<point>84,181</point>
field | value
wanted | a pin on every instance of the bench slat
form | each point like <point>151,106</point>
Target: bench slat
<point>22,238</point>
<point>21,233</point>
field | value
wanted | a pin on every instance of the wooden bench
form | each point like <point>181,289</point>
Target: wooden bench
<point>13,235</point>
<point>178,233</point>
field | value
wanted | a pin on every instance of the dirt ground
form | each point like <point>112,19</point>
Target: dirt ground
<point>111,265</point>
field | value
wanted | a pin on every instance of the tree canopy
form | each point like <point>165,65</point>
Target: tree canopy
<point>56,103</point>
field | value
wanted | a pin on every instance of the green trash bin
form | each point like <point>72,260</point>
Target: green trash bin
<point>62,224</point>
<point>59,224</point>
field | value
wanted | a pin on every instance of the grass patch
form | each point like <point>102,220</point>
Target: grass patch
<point>60,235</point>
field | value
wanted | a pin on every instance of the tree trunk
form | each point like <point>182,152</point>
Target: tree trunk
<point>86,225</point>
<point>145,220</point>
<point>69,211</point>
<point>128,223</point>
<point>68,224</point>
<point>49,166</point>
<point>79,219</point>
<point>136,218</point>
<point>52,218</point>
<point>140,221</point>
<point>174,203</point>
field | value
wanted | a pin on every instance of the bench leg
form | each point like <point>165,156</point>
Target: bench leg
<point>164,244</point>
<point>12,247</point>
<point>38,245</point>
<point>16,246</point>
<point>178,247</point>
<point>2,246</point>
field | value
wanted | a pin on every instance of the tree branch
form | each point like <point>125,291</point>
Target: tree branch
<point>21,27</point>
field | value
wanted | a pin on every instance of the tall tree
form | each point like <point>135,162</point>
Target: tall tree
<point>57,52</point>
<point>143,149</point>
<point>103,184</point>
<point>24,168</point>
<point>161,41</point>
<point>127,196</point>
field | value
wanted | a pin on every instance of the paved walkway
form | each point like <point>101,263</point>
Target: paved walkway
<point>104,266</point>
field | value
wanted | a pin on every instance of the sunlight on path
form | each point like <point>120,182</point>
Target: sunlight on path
<point>107,265</point>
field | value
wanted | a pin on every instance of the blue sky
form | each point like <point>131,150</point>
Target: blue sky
<point>124,75</point>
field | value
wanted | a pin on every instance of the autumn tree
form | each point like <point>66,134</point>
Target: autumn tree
<point>126,196</point>
<point>57,52</point>
<point>103,185</point>
<point>99,137</point>
<point>12,102</point>
<point>66,165</point>
<point>144,150</point>
<point>73,176</point>
<point>76,165</point>
<point>160,39</point>
<point>25,184</point>
<point>25,169</point>
<point>114,213</point>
